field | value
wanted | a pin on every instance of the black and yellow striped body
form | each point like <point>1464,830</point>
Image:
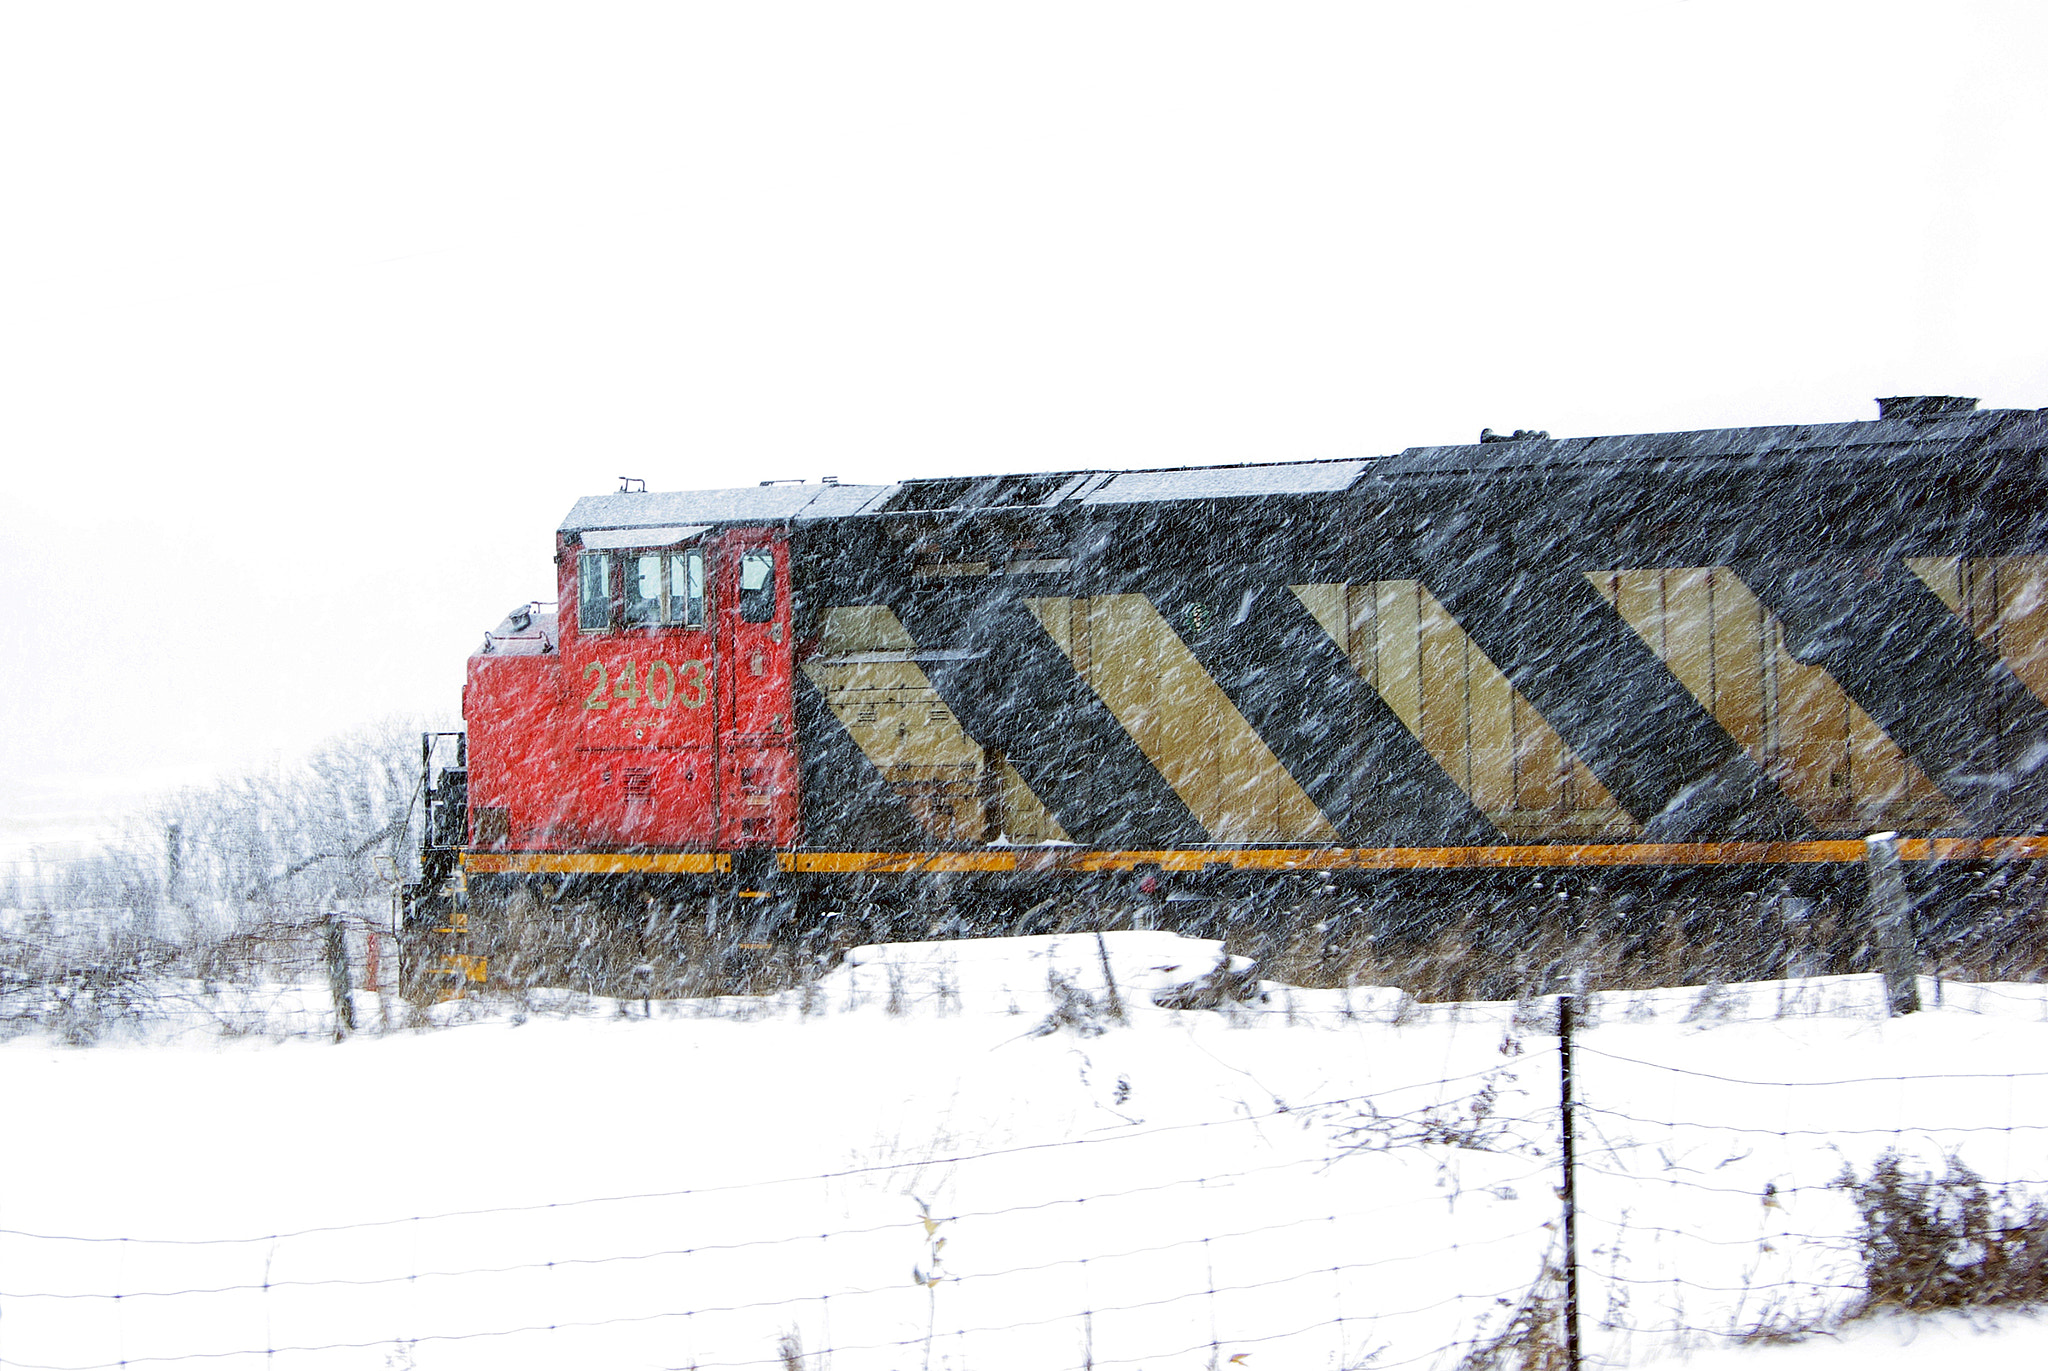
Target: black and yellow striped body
<point>1775,635</point>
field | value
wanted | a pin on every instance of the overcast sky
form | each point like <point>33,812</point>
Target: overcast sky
<point>315,319</point>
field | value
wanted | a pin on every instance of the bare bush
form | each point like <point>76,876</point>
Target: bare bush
<point>1223,984</point>
<point>1533,1338</point>
<point>1945,1242</point>
<point>1072,1008</point>
<point>1475,1123</point>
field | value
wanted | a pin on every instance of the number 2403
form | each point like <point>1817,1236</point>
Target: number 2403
<point>664,684</point>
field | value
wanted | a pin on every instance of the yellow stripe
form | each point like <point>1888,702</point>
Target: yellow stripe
<point>1074,860</point>
<point>895,716</point>
<point>1182,721</point>
<point>1454,858</point>
<point>901,862</point>
<point>2004,601</point>
<point>596,863</point>
<point>1483,732</point>
<point>2021,849</point>
<point>1794,719</point>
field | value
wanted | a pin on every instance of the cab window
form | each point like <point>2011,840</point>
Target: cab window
<point>757,586</point>
<point>686,588</point>
<point>594,591</point>
<point>665,588</point>
<point>643,589</point>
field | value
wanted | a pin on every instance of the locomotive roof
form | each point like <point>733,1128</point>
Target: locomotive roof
<point>764,503</point>
<point>1933,434</point>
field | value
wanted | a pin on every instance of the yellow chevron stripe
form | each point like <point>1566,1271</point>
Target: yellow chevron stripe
<point>2004,600</point>
<point>895,717</point>
<point>1464,711</point>
<point>1181,720</point>
<point>1827,755</point>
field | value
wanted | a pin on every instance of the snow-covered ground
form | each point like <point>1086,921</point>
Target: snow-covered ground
<point>918,1163</point>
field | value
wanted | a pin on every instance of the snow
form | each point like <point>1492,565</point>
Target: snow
<point>1217,483</point>
<point>666,536</point>
<point>1315,1179</point>
<point>777,500</point>
<point>1898,1344</point>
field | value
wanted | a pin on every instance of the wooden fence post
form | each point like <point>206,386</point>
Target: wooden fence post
<point>338,977</point>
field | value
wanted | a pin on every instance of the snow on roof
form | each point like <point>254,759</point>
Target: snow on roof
<point>665,535</point>
<point>1720,447</point>
<point>595,515</point>
<point>1222,483</point>
<point>1889,439</point>
<point>748,504</point>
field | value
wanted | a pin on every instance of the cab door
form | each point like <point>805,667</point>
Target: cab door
<point>757,774</point>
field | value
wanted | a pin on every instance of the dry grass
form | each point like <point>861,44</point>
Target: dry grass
<point>1533,1338</point>
<point>1447,942</point>
<point>1948,1241</point>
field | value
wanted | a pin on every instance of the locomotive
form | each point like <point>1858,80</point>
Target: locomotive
<point>820,711</point>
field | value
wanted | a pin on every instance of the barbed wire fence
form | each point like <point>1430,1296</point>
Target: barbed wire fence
<point>1576,1204</point>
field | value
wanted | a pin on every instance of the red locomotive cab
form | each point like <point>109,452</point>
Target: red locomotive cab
<point>677,710</point>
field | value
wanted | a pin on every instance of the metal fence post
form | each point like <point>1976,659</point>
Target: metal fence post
<point>1891,922</point>
<point>1569,1190</point>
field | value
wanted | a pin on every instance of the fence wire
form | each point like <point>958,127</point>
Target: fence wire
<point>1717,1216</point>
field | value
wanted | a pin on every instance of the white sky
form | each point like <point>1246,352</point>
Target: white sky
<point>315,319</point>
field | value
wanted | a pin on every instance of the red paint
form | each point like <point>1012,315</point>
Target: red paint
<point>656,737</point>
<point>756,702</point>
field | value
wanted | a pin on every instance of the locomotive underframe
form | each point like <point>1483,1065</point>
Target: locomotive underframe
<point>1474,933</point>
